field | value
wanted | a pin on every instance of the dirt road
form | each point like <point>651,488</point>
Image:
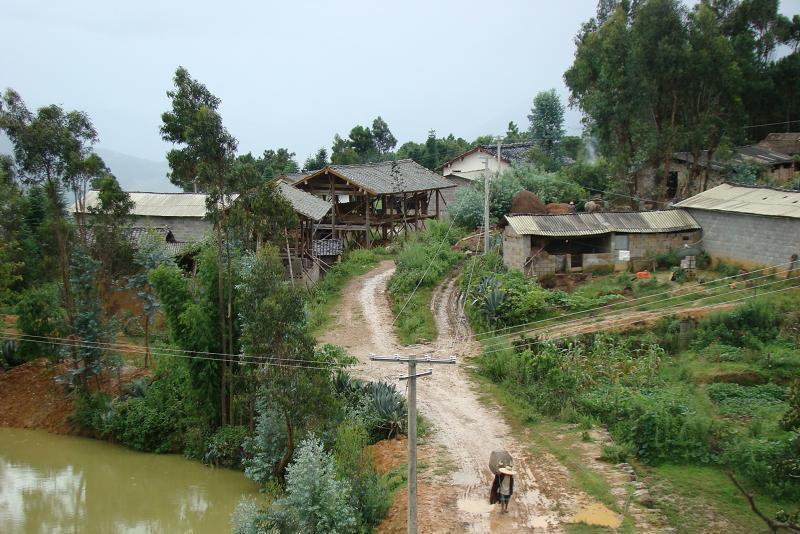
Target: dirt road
<point>466,427</point>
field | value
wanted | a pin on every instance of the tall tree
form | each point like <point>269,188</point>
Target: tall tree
<point>48,147</point>
<point>547,123</point>
<point>513,134</point>
<point>204,162</point>
<point>317,161</point>
<point>382,136</point>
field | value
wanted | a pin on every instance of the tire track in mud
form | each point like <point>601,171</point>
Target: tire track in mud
<point>466,427</point>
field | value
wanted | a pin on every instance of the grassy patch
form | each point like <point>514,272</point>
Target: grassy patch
<point>703,490</point>
<point>327,292</point>
<point>423,262</point>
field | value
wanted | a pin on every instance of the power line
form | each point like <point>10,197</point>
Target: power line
<point>612,314</point>
<point>242,358</point>
<point>563,336</point>
<point>507,328</point>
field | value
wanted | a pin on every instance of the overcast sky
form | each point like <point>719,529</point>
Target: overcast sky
<point>292,74</point>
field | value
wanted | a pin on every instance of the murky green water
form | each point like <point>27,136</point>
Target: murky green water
<point>52,483</point>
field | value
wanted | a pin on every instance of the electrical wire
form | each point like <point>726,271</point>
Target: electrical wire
<point>613,313</point>
<point>741,299</point>
<point>671,308</point>
<point>604,306</point>
<point>242,359</point>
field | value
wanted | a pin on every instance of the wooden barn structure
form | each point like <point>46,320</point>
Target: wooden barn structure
<point>372,201</point>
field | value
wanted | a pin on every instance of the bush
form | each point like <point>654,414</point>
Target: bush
<point>316,501</point>
<point>370,496</point>
<point>10,354</point>
<point>748,326</point>
<point>226,447</point>
<point>93,412</point>
<point>616,453</point>
<point>773,465</point>
<point>39,314</point>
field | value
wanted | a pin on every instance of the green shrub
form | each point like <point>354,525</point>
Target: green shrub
<point>666,260</point>
<point>93,412</point>
<point>39,314</point>
<point>370,497</point>
<point>719,352</point>
<point>791,419</point>
<point>747,326</point>
<point>226,446</point>
<point>727,270</point>
<point>773,465</point>
<point>616,453</point>
<point>702,260</point>
<point>10,355</point>
<point>316,501</point>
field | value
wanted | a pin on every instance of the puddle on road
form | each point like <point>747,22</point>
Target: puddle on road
<point>597,514</point>
<point>474,506</point>
<point>466,478</point>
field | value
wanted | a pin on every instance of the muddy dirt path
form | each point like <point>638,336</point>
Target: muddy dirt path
<point>466,427</point>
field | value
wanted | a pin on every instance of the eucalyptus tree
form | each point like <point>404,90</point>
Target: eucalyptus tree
<point>547,123</point>
<point>203,163</point>
<point>52,149</point>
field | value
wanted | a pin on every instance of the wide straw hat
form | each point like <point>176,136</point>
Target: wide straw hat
<point>507,471</point>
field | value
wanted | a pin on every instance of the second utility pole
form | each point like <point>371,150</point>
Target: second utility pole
<point>412,423</point>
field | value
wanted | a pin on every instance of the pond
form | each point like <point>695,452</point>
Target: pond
<point>51,483</point>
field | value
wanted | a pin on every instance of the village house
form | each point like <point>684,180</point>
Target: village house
<point>180,218</point>
<point>585,242</point>
<point>372,201</point>
<point>748,226</point>
<point>465,168</point>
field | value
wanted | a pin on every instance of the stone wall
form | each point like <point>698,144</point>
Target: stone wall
<point>748,240</point>
<point>191,229</point>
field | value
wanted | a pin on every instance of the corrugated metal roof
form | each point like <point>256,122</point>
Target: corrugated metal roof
<point>377,178</point>
<point>762,155</point>
<point>161,204</point>
<point>746,199</point>
<point>304,203</point>
<point>587,224</point>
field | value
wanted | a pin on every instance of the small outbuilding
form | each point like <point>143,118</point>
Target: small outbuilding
<point>747,225</point>
<point>542,244</point>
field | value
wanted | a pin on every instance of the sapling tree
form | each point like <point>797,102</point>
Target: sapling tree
<point>150,254</point>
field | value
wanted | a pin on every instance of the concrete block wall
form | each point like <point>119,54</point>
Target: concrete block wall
<point>641,244</point>
<point>748,240</point>
<point>516,249</point>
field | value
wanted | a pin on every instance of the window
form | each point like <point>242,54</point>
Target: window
<point>620,242</point>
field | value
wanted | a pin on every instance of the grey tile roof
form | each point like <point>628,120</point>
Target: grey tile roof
<point>377,178</point>
<point>161,204</point>
<point>294,177</point>
<point>747,199</point>
<point>304,203</point>
<point>586,224</point>
<point>511,151</point>
<point>756,153</point>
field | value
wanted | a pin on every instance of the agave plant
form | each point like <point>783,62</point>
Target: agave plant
<point>390,408</point>
<point>490,297</point>
<point>8,353</point>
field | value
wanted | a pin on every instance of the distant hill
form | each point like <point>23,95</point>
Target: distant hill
<point>134,173</point>
<point>137,174</point>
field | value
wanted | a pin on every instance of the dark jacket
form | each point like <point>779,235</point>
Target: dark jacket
<point>494,495</point>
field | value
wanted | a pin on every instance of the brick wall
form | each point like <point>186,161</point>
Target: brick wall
<point>748,240</point>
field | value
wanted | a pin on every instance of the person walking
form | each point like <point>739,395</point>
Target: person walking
<point>502,487</point>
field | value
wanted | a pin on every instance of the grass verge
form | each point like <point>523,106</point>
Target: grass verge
<point>327,292</point>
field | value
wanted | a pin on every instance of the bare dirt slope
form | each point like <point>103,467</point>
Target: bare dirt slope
<point>464,426</point>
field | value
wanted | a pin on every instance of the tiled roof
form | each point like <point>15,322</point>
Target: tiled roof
<point>747,199</point>
<point>294,177</point>
<point>785,142</point>
<point>161,204</point>
<point>512,151</point>
<point>586,224</point>
<point>377,178</point>
<point>756,153</point>
<point>304,203</point>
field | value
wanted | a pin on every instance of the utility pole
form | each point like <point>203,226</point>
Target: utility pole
<point>486,206</point>
<point>412,376</point>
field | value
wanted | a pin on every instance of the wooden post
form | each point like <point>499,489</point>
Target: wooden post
<point>367,206</point>
<point>334,204</point>
<point>437,204</point>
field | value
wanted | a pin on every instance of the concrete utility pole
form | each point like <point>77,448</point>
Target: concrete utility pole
<point>412,361</point>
